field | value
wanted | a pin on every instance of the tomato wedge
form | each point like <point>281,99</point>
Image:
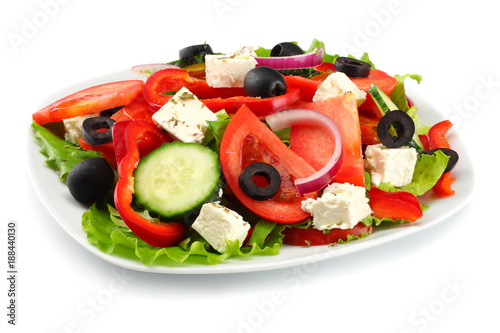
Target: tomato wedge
<point>368,125</point>
<point>315,145</point>
<point>311,236</point>
<point>91,100</point>
<point>247,140</point>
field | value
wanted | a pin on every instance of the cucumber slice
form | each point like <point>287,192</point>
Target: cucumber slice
<point>176,178</point>
<point>385,104</point>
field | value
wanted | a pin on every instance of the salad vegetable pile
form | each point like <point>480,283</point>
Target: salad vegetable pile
<point>220,155</point>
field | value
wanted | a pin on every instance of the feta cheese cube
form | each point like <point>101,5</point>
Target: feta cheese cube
<point>185,117</point>
<point>340,206</point>
<point>73,127</point>
<point>217,223</point>
<point>229,70</point>
<point>336,84</point>
<point>394,165</point>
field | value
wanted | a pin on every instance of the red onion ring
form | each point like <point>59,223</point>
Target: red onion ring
<point>306,60</point>
<point>321,178</point>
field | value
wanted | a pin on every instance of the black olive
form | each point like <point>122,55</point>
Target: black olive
<point>90,179</point>
<point>195,50</point>
<point>264,82</point>
<point>401,123</point>
<point>286,49</point>
<point>90,128</point>
<point>352,67</point>
<point>252,190</point>
<point>452,161</point>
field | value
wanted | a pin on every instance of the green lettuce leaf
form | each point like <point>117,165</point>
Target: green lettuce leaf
<point>106,231</point>
<point>420,128</point>
<point>62,155</point>
<point>376,221</point>
<point>217,128</point>
<point>428,170</point>
<point>398,94</point>
<point>319,44</point>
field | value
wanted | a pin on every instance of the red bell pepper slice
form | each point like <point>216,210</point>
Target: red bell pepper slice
<point>437,139</point>
<point>138,109</point>
<point>326,67</point>
<point>437,134</point>
<point>394,205</point>
<point>426,145</point>
<point>260,106</point>
<point>126,135</point>
<point>306,86</point>
<point>164,81</point>
<point>107,151</point>
<point>230,99</point>
<point>443,186</point>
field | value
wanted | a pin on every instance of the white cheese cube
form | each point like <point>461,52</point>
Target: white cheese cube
<point>217,223</point>
<point>394,165</point>
<point>229,70</point>
<point>340,206</point>
<point>336,84</point>
<point>185,118</point>
<point>73,127</point>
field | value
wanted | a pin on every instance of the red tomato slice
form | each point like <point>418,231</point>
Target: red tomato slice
<point>368,127</point>
<point>310,236</point>
<point>247,140</point>
<point>91,100</point>
<point>381,79</point>
<point>316,146</point>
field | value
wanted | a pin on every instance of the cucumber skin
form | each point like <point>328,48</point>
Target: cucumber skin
<point>211,166</point>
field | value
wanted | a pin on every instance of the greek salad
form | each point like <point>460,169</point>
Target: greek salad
<point>233,154</point>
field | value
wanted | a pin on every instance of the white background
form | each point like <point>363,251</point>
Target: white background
<point>444,278</point>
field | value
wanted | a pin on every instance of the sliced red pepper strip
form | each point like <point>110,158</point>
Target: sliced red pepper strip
<point>326,67</point>
<point>138,109</point>
<point>260,106</point>
<point>126,135</point>
<point>163,81</point>
<point>107,151</point>
<point>437,139</point>
<point>203,91</point>
<point>443,186</point>
<point>425,142</point>
<point>394,205</point>
<point>437,134</point>
<point>306,86</point>
<point>230,99</point>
